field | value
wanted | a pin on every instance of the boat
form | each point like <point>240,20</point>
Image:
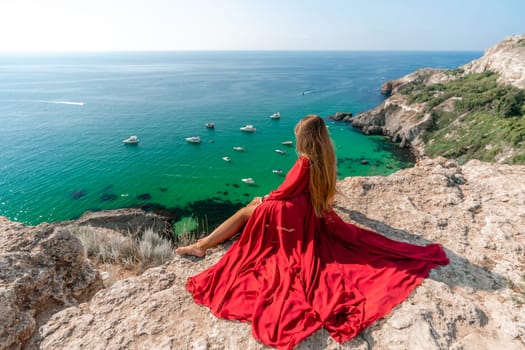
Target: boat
<point>238,148</point>
<point>226,159</point>
<point>193,139</point>
<point>276,115</point>
<point>287,143</point>
<point>248,180</point>
<point>210,125</point>
<point>132,140</point>
<point>277,171</point>
<point>248,128</point>
<point>281,151</point>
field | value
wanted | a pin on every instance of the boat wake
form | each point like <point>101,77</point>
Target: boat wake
<point>74,103</point>
<point>59,102</point>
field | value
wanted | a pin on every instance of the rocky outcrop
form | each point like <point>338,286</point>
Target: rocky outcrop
<point>43,269</point>
<point>386,88</point>
<point>476,302</point>
<point>127,221</point>
<point>404,122</point>
<point>507,58</point>
<point>341,116</point>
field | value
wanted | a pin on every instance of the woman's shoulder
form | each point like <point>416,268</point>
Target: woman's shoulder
<point>303,161</point>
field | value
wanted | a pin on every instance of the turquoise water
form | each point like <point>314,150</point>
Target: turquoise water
<point>64,117</point>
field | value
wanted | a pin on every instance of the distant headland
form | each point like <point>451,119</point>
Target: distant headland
<point>475,111</point>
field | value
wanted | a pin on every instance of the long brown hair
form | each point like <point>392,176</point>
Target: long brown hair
<point>314,143</point>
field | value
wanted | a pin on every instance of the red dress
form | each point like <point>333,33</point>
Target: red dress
<point>291,273</point>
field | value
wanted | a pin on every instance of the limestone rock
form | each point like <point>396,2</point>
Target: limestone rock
<point>396,118</point>
<point>476,211</point>
<point>507,58</point>
<point>42,270</point>
<point>386,88</point>
<point>403,122</point>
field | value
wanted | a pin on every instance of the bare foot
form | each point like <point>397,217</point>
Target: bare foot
<point>193,249</point>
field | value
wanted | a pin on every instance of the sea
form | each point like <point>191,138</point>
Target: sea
<point>64,117</point>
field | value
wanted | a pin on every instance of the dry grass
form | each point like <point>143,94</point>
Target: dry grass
<point>154,249</point>
<point>187,238</point>
<point>118,255</point>
<point>111,247</point>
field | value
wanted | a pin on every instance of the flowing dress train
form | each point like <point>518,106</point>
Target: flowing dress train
<point>291,273</point>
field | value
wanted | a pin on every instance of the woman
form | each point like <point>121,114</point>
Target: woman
<point>298,267</point>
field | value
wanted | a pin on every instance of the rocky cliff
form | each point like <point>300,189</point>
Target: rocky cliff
<point>404,122</point>
<point>507,58</point>
<point>409,116</point>
<point>477,302</point>
<point>43,269</point>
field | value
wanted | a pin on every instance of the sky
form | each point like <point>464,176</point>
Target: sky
<point>146,25</point>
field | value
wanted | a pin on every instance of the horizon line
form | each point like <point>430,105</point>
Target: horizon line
<point>226,50</point>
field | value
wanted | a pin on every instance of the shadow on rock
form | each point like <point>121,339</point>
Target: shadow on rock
<point>460,271</point>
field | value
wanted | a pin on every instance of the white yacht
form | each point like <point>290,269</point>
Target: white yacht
<point>287,143</point>
<point>276,115</point>
<point>248,128</point>
<point>226,159</point>
<point>248,180</point>
<point>131,140</point>
<point>281,151</point>
<point>277,171</point>
<point>238,148</point>
<point>193,139</point>
<point>210,125</point>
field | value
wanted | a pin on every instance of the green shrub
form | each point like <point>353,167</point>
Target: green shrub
<point>406,89</point>
<point>475,91</point>
<point>510,105</point>
<point>441,119</point>
<point>457,71</point>
<point>492,117</point>
<point>518,159</point>
<point>480,136</point>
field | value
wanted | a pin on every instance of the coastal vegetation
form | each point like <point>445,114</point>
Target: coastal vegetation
<point>472,117</point>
